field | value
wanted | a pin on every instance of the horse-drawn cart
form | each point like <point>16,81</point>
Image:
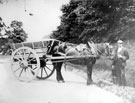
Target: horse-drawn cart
<point>32,59</point>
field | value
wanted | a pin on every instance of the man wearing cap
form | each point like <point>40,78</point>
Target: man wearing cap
<point>119,62</point>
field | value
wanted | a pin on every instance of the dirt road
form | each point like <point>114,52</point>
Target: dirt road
<point>74,90</point>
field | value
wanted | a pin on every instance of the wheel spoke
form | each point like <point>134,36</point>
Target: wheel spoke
<point>15,63</point>
<point>49,64</point>
<point>41,72</point>
<point>24,53</point>
<point>32,64</point>
<point>31,59</point>
<point>19,54</point>
<point>45,71</point>
<point>21,72</point>
<point>48,68</point>
<point>34,68</point>
<point>29,55</point>
<point>32,71</point>
<point>16,58</point>
<point>17,69</point>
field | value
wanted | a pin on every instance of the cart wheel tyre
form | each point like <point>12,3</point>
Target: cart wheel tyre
<point>46,70</point>
<point>25,64</point>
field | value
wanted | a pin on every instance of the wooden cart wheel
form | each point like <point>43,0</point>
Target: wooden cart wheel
<point>46,69</point>
<point>25,64</point>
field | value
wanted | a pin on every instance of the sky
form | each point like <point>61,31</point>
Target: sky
<point>45,19</point>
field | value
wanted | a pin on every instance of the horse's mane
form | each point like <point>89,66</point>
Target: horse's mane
<point>99,48</point>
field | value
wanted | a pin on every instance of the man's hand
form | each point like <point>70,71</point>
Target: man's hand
<point>123,57</point>
<point>112,67</point>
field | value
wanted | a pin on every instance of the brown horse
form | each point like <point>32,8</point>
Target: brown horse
<point>79,50</point>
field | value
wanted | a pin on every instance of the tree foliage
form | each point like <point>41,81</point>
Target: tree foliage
<point>13,34</point>
<point>16,34</point>
<point>92,19</point>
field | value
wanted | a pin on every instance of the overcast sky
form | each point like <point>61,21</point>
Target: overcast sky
<point>45,17</point>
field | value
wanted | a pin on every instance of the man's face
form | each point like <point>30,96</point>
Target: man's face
<point>120,44</point>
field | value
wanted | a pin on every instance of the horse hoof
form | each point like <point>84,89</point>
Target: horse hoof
<point>90,82</point>
<point>61,81</point>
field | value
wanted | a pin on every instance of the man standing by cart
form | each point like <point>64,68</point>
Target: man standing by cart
<point>119,62</point>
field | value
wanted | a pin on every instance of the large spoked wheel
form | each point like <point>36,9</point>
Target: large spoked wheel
<point>25,64</point>
<point>46,69</point>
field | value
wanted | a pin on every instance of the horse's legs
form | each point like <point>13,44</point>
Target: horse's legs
<point>89,65</point>
<point>58,67</point>
<point>89,73</point>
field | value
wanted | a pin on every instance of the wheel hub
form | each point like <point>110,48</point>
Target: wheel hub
<point>42,63</point>
<point>24,64</point>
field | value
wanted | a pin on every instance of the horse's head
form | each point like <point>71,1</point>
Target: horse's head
<point>108,49</point>
<point>112,48</point>
<point>100,48</point>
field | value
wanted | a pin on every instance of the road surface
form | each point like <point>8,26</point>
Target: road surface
<point>74,90</point>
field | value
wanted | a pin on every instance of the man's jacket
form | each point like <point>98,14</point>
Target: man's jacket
<point>120,57</point>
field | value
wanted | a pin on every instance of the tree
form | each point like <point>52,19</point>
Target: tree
<point>90,19</point>
<point>14,34</point>
<point>124,25</point>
